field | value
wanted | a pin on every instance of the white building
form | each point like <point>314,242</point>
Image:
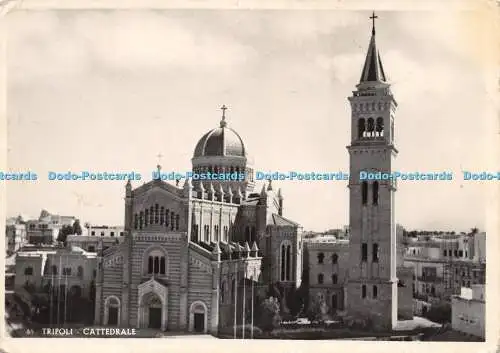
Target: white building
<point>94,236</point>
<point>106,231</point>
<point>468,310</point>
<point>69,268</point>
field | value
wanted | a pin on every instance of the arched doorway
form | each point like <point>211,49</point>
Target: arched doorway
<point>112,311</point>
<point>198,317</point>
<point>152,311</point>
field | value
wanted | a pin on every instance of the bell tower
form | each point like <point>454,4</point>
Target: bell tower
<point>372,286</point>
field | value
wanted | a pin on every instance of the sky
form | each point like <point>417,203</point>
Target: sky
<point>110,90</point>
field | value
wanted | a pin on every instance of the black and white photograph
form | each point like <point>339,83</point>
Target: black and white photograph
<point>298,174</point>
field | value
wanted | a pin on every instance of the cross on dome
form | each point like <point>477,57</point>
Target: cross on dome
<point>223,121</point>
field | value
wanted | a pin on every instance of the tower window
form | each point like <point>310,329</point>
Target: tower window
<point>335,259</point>
<point>363,291</point>
<point>375,192</point>
<point>364,192</point>
<point>371,127</point>
<point>364,252</point>
<point>375,252</point>
<point>361,128</point>
<point>379,129</point>
<point>375,291</point>
<point>321,257</point>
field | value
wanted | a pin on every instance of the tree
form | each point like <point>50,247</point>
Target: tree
<point>269,317</point>
<point>318,310</point>
<point>77,228</point>
<point>440,313</point>
<point>64,232</point>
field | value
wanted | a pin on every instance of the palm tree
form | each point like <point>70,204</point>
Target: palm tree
<point>474,231</point>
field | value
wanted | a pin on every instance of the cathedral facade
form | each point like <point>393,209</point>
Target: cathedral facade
<point>194,255</point>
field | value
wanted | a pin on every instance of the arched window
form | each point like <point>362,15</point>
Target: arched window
<point>177,217</point>
<point>321,257</point>
<point>141,219</point>
<point>226,234</point>
<point>172,221</point>
<point>216,233</point>
<point>375,291</point>
<point>136,221</point>
<point>247,233</point>
<point>157,216</point>
<point>156,262</point>
<point>283,264</point>
<point>321,278</point>
<point>194,232</point>
<point>28,271</point>
<point>334,278</point>
<point>222,291</point>
<point>288,262</point>
<point>371,127</point>
<point>151,215</point>
<point>379,127</point>
<point>206,237</point>
<point>252,234</point>
<point>54,269</point>
<point>79,272</point>
<point>146,217</point>
<point>361,128</point>
<point>166,218</point>
<point>363,291</point>
<point>364,192</point>
<point>335,258</point>
<point>375,192</point>
<point>162,215</point>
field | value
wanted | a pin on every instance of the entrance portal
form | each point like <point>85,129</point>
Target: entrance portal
<point>113,316</point>
<point>154,318</point>
<point>199,322</point>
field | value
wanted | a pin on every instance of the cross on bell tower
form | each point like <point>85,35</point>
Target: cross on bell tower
<point>373,17</point>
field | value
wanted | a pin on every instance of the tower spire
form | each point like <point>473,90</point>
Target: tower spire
<point>373,71</point>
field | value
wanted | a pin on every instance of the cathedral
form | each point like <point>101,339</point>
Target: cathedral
<point>195,255</point>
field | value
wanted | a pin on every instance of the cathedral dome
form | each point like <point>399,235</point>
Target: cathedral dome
<point>222,141</point>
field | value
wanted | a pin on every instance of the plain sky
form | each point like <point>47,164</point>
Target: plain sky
<point>110,90</point>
